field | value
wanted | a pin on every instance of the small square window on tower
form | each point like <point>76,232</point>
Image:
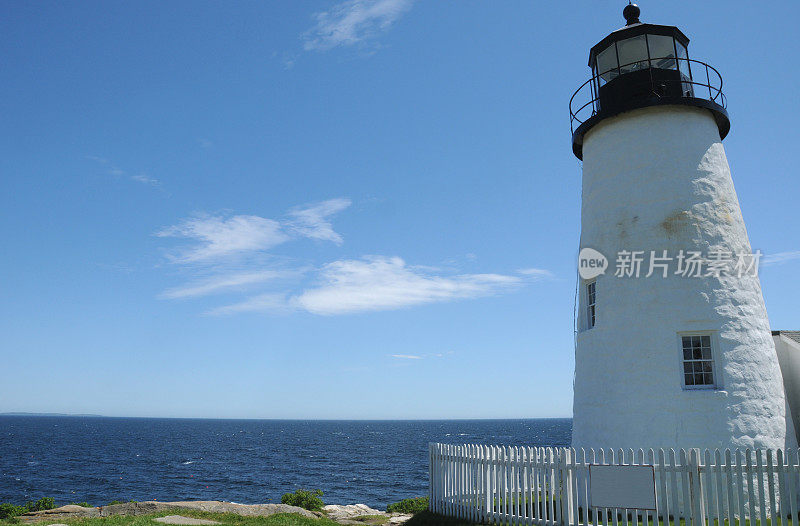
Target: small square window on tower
<point>698,361</point>
<point>590,304</point>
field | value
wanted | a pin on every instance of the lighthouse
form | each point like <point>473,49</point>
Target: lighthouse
<point>673,347</point>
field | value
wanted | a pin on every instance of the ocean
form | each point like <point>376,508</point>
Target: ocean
<point>99,459</point>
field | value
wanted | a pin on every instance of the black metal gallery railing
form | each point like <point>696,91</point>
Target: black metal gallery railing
<point>689,79</point>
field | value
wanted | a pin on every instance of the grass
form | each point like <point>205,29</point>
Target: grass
<point>227,519</point>
<point>372,519</point>
<point>409,506</point>
<point>230,519</point>
<point>425,518</point>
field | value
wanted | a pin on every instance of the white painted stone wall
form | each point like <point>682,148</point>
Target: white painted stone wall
<point>789,359</point>
<point>654,179</point>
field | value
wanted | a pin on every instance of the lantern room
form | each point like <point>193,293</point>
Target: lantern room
<point>644,65</point>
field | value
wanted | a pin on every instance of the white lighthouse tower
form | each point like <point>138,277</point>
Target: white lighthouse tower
<point>673,344</point>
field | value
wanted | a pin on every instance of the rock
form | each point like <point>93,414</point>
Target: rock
<point>151,506</point>
<point>246,510</point>
<point>393,519</point>
<point>71,508</point>
<point>64,512</point>
<point>349,511</point>
<point>179,519</point>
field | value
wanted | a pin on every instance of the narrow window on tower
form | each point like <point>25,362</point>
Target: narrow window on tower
<point>590,304</point>
<point>698,361</point>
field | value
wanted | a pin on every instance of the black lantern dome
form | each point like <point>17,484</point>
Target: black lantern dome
<point>643,65</point>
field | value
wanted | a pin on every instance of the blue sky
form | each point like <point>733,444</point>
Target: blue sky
<point>360,209</point>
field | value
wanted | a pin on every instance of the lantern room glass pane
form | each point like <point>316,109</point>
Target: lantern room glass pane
<point>686,70</point>
<point>683,63</point>
<point>607,63</point>
<point>662,51</point>
<point>632,54</point>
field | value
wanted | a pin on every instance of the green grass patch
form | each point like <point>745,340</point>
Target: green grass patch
<point>409,506</point>
<point>9,511</point>
<point>372,520</point>
<point>308,500</point>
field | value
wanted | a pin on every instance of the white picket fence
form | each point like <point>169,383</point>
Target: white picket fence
<point>550,486</point>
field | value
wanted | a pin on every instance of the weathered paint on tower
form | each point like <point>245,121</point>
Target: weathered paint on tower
<point>658,179</point>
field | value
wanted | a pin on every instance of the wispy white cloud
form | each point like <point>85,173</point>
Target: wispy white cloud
<point>312,220</point>
<point>779,258</point>
<point>383,283</point>
<point>226,282</point>
<point>352,22</point>
<point>406,357</point>
<point>261,303</point>
<point>378,283</point>
<point>146,179</point>
<point>535,273</point>
<point>234,253</point>
<point>119,172</point>
<point>218,236</point>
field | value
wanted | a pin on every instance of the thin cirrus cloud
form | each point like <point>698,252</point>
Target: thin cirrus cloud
<point>264,303</point>
<point>312,220</point>
<point>217,236</point>
<point>384,283</point>
<point>222,251</point>
<point>536,273</point>
<point>780,258</point>
<point>353,22</point>
<point>378,283</point>
<point>119,172</point>
<point>226,282</point>
<point>146,179</point>
<point>421,356</point>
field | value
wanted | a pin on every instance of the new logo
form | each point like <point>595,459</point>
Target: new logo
<point>591,263</point>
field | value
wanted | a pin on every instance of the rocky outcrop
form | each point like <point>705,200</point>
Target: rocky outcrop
<point>148,507</point>
<point>185,521</point>
<point>347,514</point>
<point>349,511</point>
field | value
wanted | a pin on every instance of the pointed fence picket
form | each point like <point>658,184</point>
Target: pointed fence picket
<point>550,486</point>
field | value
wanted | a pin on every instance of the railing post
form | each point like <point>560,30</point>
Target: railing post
<point>430,476</point>
<point>565,482</point>
<point>695,489</point>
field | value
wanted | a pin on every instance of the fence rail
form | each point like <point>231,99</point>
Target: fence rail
<point>551,486</point>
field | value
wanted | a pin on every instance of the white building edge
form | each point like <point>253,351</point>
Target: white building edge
<point>787,347</point>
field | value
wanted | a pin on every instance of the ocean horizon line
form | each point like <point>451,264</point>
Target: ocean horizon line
<point>277,419</point>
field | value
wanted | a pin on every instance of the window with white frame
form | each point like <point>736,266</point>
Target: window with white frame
<point>698,361</point>
<point>590,304</point>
